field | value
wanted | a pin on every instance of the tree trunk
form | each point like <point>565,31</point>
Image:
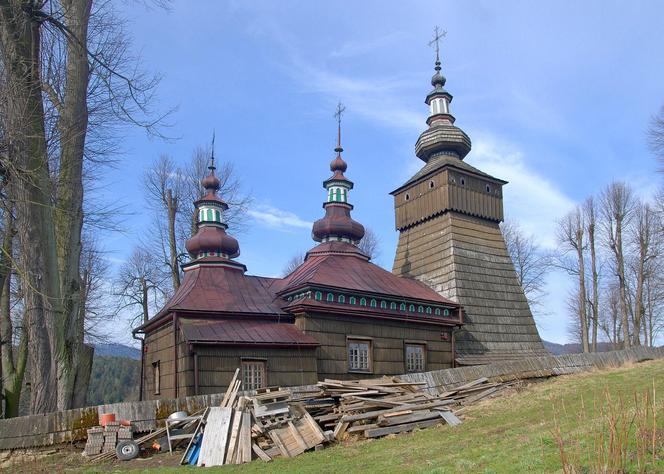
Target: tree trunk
<point>172,205</point>
<point>620,261</point>
<point>144,300</point>
<point>595,277</point>
<point>72,125</point>
<point>583,315</point>
<point>31,186</point>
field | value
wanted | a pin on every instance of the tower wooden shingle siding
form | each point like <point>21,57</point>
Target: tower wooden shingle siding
<point>448,217</point>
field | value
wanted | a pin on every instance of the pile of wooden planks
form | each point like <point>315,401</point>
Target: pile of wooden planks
<point>275,422</point>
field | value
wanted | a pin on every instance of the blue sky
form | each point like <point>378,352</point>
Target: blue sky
<point>555,96</point>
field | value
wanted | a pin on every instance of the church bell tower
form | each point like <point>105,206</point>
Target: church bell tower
<point>448,217</point>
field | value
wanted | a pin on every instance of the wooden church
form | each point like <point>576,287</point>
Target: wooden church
<point>452,297</point>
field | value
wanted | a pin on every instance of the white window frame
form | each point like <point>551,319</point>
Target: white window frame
<point>253,379</point>
<point>412,361</point>
<point>156,377</point>
<point>359,351</point>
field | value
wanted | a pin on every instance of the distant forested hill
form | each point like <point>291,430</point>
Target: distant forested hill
<point>117,350</point>
<point>113,379</point>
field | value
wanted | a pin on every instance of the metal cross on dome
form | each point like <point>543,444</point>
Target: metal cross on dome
<point>341,108</point>
<point>438,34</point>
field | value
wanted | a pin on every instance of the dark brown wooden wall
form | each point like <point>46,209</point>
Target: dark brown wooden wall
<point>159,347</point>
<point>447,193</point>
<point>388,340</point>
<point>285,367</point>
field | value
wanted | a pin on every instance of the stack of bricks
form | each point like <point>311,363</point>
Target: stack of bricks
<point>105,439</point>
<point>95,441</point>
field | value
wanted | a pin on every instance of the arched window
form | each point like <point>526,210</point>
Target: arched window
<point>383,304</point>
<point>338,194</point>
<point>373,303</point>
<point>428,309</point>
<point>352,300</point>
<point>363,301</point>
<point>420,309</point>
<point>411,308</point>
<point>318,296</point>
<point>393,306</point>
<point>341,299</point>
<point>437,312</point>
<point>330,297</point>
<point>402,307</point>
<point>446,312</point>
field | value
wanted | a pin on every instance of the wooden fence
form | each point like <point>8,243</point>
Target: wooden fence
<point>71,425</point>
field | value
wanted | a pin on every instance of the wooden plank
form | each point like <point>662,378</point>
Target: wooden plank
<point>246,437</point>
<point>414,407</point>
<point>230,388</point>
<point>278,443</point>
<point>410,418</point>
<point>340,429</point>
<point>234,434</point>
<point>215,437</point>
<point>377,432</point>
<point>260,453</point>
<point>297,437</point>
<point>450,418</point>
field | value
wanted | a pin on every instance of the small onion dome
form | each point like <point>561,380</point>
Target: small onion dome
<point>338,164</point>
<point>438,80</point>
<point>212,241</point>
<point>337,224</point>
<point>211,182</point>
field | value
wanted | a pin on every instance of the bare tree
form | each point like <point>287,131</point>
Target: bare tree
<point>590,217</point>
<point>656,135</point>
<point>164,185</point>
<point>610,316</point>
<point>292,264</point>
<point>139,285</point>
<point>530,262</point>
<point>617,207</point>
<point>370,244</point>
<point>647,242</point>
<point>571,231</point>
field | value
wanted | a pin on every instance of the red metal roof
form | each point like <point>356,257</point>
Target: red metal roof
<point>212,286</point>
<point>244,332</point>
<point>342,265</point>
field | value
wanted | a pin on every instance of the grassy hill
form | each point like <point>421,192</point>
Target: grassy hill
<point>520,432</point>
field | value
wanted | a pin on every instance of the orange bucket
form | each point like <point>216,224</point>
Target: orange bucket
<point>106,418</point>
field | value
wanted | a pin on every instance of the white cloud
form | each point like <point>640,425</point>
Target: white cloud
<point>279,219</point>
<point>529,198</point>
<point>359,48</point>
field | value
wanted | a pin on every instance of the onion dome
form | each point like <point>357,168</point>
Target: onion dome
<point>211,239</point>
<point>442,136</point>
<point>337,225</point>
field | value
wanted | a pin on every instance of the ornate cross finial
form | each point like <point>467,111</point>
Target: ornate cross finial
<point>438,34</point>
<point>340,110</point>
<point>212,167</point>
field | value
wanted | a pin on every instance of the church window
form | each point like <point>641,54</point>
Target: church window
<point>337,195</point>
<point>437,312</point>
<point>318,296</point>
<point>352,300</point>
<point>359,355</point>
<point>432,184</point>
<point>463,182</point>
<point>420,309</point>
<point>428,309</point>
<point>373,303</point>
<point>415,357</point>
<point>446,312</point>
<point>253,374</point>
<point>402,307</point>
<point>407,196</point>
<point>383,304</point>
<point>411,308</point>
<point>156,374</point>
<point>488,188</point>
<point>393,306</point>
<point>341,299</point>
<point>363,301</point>
<point>330,297</point>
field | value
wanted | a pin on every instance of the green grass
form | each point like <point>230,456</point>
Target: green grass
<point>512,433</point>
